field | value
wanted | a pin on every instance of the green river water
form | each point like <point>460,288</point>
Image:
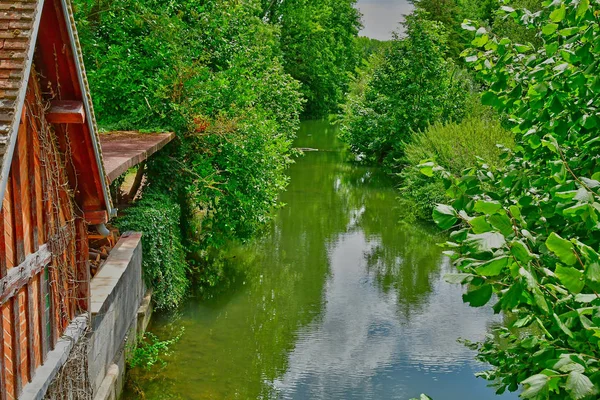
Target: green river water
<point>339,300</point>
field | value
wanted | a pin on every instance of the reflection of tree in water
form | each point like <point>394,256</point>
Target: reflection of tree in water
<point>404,258</point>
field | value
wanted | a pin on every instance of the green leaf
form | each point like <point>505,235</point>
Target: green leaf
<point>579,385</point>
<point>559,14</point>
<point>445,216</point>
<point>480,224</point>
<point>549,29</point>
<point>534,386</point>
<point>487,207</point>
<point>562,325</point>
<point>489,98</point>
<point>592,272</point>
<point>503,223</point>
<point>569,31</point>
<point>586,298</point>
<point>570,277</point>
<point>486,241</point>
<point>456,278</point>
<point>493,267</point>
<point>520,251</point>
<point>511,298</point>
<point>584,5</point>
<point>479,296</point>
<point>426,168</point>
<point>562,248</point>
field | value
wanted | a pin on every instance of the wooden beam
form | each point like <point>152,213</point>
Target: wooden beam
<point>95,217</point>
<point>66,112</point>
<point>18,204</point>
<point>43,316</point>
<point>2,369</point>
<point>19,276</point>
<point>16,345</point>
<point>82,265</point>
<point>30,313</point>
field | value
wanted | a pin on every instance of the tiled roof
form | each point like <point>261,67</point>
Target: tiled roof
<point>17,21</point>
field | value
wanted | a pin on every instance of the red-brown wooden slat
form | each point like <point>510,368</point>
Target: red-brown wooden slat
<point>53,312</point>
<point>16,344</point>
<point>9,234</point>
<point>38,189</point>
<point>33,193</point>
<point>30,315</point>
<point>2,248</point>
<point>23,150</point>
<point>2,369</point>
<point>82,265</point>
<point>43,314</point>
<point>66,112</point>
<point>17,209</point>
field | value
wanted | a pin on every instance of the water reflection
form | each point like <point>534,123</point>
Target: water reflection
<point>337,301</point>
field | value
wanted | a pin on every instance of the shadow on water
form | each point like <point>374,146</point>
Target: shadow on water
<point>338,300</point>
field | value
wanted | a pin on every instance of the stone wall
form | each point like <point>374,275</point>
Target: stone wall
<point>117,292</point>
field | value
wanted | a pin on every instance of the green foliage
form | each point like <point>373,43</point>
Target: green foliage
<point>451,14</point>
<point>412,86</point>
<point>455,146</point>
<point>368,47</point>
<point>213,72</point>
<point>149,351</point>
<point>529,231</point>
<point>318,47</point>
<point>506,26</point>
<point>165,269</point>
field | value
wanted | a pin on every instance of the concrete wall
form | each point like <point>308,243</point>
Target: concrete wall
<point>117,292</point>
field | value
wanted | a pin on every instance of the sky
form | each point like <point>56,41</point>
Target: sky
<point>382,17</point>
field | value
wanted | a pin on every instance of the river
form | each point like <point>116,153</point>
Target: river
<point>338,300</point>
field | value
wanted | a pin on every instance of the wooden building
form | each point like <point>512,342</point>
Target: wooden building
<point>52,184</point>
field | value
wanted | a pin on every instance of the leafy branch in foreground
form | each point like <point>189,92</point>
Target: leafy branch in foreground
<point>526,235</point>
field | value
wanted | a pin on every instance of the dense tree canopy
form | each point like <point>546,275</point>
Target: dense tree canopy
<point>318,46</point>
<point>213,72</point>
<point>411,85</point>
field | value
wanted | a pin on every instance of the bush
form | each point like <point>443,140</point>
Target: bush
<point>165,269</point>
<point>455,146</point>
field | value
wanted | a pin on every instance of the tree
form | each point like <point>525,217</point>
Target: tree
<point>411,86</point>
<point>527,235</point>
<point>318,46</point>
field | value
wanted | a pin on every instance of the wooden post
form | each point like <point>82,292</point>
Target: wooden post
<point>33,194</point>
<point>29,315</point>
<point>44,310</point>
<point>82,253</point>
<point>2,369</point>
<point>16,344</point>
<point>18,209</point>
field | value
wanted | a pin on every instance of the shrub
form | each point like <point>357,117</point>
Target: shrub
<point>455,146</point>
<point>157,216</point>
<point>150,350</point>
